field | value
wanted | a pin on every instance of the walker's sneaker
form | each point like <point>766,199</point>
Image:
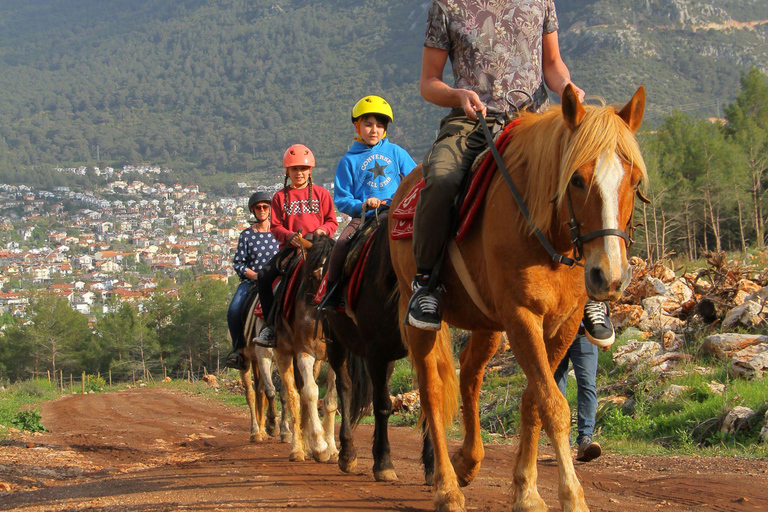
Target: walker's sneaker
<point>425,309</point>
<point>588,450</point>
<point>266,337</point>
<point>597,324</point>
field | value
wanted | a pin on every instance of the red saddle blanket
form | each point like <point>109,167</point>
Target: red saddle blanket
<point>473,199</point>
<point>355,280</point>
<point>290,292</point>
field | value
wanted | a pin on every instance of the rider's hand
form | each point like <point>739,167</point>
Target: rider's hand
<point>471,103</point>
<point>295,242</point>
<point>373,202</point>
<point>320,231</point>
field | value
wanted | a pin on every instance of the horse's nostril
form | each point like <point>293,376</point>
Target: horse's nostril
<point>596,278</point>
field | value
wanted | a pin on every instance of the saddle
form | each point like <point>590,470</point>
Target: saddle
<point>483,170</point>
<point>356,260</point>
<point>284,295</point>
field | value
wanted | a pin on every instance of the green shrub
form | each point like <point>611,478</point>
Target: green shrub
<point>29,421</point>
<point>403,379</point>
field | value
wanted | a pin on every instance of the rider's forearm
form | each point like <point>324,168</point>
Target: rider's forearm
<point>251,274</point>
<point>439,93</point>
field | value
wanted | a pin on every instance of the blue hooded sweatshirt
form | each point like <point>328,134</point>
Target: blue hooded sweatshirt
<point>369,171</point>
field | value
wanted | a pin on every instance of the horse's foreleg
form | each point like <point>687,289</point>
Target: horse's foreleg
<point>553,412</point>
<point>285,364</point>
<point>330,406</point>
<point>264,359</point>
<point>429,358</point>
<point>338,358</point>
<point>481,347</point>
<point>427,455</point>
<point>309,394</point>
<point>383,470</point>
<point>250,398</point>
<point>525,474</point>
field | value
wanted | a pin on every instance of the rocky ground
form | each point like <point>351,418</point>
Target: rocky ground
<point>155,449</point>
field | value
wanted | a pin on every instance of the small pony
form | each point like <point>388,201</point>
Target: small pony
<point>575,165</point>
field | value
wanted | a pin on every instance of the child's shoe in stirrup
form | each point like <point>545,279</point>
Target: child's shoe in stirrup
<point>266,337</point>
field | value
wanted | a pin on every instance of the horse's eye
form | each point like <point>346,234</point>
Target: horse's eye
<point>577,181</point>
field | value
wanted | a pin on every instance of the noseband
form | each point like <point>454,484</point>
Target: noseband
<point>577,239</point>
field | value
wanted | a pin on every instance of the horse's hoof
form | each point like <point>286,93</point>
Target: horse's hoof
<point>286,438</point>
<point>296,457</point>
<point>347,465</point>
<point>323,456</point>
<point>273,430</point>
<point>429,479</point>
<point>253,438</point>
<point>334,456</point>
<point>385,475</point>
<point>465,471</point>
<point>449,501</point>
<point>532,502</point>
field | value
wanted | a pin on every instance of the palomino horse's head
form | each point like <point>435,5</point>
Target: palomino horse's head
<point>602,170</point>
<point>586,157</point>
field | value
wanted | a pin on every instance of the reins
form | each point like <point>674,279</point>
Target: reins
<point>577,239</point>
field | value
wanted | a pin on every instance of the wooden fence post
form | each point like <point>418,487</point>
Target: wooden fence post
<point>71,389</point>
<point>110,377</point>
<point>133,377</point>
<point>49,376</point>
<point>61,380</point>
<point>83,382</point>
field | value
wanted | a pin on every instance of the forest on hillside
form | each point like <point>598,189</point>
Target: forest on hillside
<point>219,87</point>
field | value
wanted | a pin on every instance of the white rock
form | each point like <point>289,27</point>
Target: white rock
<point>716,388</point>
<point>680,290</point>
<point>653,286</point>
<point>751,362</point>
<point>764,431</point>
<point>724,345</point>
<point>737,419</point>
<point>674,392</point>
<point>635,352</point>
<point>748,314</point>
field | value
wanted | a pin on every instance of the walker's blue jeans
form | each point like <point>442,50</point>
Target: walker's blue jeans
<point>583,355</point>
<point>234,314</point>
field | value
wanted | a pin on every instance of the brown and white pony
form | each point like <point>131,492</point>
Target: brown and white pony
<point>297,340</point>
<point>590,154</point>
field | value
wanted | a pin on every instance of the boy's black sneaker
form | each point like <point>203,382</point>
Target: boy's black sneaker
<point>425,309</point>
<point>266,337</point>
<point>588,450</point>
<point>597,324</point>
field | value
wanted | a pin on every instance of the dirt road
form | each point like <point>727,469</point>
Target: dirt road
<point>157,450</point>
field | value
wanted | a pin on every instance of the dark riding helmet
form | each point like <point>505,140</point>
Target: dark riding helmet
<point>258,197</point>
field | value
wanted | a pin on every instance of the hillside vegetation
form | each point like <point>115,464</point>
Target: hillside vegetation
<point>208,87</point>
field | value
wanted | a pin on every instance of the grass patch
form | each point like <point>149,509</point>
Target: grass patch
<point>19,405</point>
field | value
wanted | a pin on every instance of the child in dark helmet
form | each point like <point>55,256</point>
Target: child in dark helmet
<point>255,248</point>
<point>369,172</point>
<point>299,206</point>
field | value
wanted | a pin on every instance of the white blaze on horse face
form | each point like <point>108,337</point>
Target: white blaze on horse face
<point>611,174</point>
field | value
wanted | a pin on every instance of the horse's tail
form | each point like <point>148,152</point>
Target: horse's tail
<point>362,388</point>
<point>447,371</point>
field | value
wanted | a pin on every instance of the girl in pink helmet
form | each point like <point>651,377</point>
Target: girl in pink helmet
<point>300,206</point>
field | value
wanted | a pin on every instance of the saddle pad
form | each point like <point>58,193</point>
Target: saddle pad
<point>289,298</point>
<point>357,275</point>
<point>257,309</point>
<point>470,205</point>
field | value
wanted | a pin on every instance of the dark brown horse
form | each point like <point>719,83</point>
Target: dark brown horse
<point>363,352</point>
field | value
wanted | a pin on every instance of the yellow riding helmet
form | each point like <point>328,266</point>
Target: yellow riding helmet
<point>372,105</point>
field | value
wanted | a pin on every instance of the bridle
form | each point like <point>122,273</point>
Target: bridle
<point>577,239</point>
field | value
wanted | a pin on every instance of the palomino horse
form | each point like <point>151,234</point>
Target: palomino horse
<point>296,339</point>
<point>363,354</point>
<point>583,155</point>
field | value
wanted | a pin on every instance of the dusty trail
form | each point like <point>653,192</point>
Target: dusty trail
<point>158,450</point>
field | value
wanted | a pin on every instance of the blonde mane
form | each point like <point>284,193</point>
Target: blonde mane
<point>544,146</point>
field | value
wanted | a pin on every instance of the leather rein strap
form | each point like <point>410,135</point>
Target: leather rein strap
<point>577,239</point>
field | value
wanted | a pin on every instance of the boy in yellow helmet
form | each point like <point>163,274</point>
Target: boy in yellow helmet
<point>369,173</point>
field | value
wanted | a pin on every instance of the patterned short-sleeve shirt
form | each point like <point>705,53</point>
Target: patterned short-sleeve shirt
<point>254,250</point>
<point>495,46</point>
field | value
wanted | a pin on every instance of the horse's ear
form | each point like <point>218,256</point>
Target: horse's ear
<point>632,113</point>
<point>573,111</point>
